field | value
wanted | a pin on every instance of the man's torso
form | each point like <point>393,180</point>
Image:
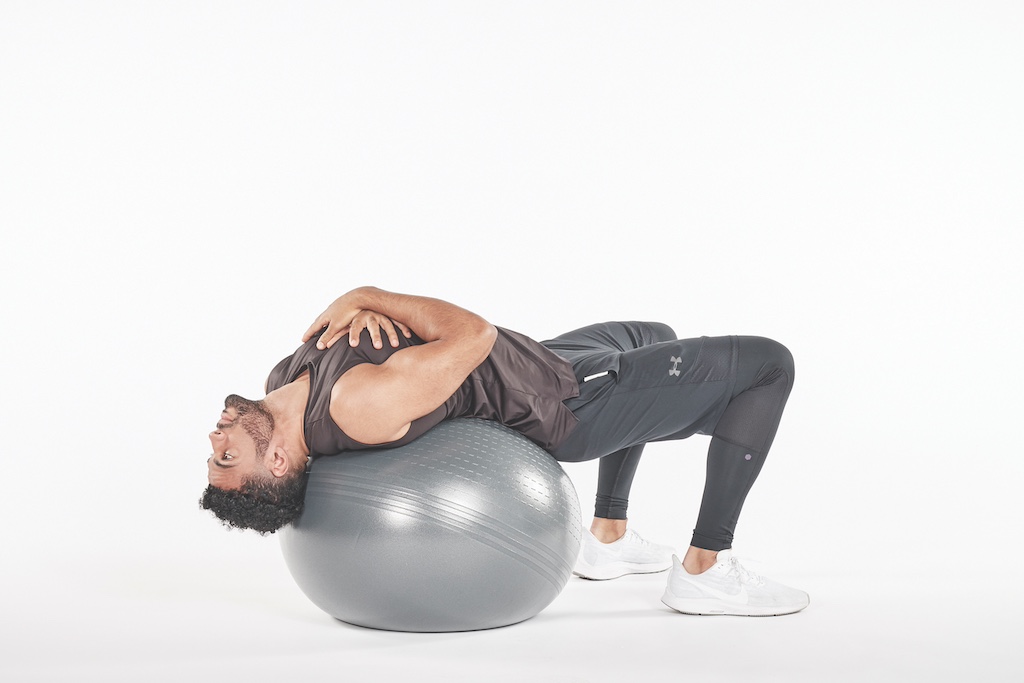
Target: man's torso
<point>521,384</point>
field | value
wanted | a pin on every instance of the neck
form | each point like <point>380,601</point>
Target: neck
<point>288,406</point>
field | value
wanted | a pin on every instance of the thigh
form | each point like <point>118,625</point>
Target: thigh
<point>596,349</point>
<point>662,391</point>
<point>612,336</point>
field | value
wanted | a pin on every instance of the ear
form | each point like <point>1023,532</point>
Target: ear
<point>278,461</point>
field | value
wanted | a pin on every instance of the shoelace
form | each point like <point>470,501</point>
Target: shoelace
<point>744,574</point>
<point>634,537</point>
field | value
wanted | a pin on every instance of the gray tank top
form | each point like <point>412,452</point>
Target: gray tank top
<point>521,384</point>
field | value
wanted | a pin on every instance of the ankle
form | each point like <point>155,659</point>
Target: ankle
<point>699,560</point>
<point>608,530</point>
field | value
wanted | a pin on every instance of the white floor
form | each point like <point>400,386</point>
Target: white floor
<point>159,619</point>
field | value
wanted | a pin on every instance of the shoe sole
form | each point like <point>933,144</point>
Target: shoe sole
<point>711,607</point>
<point>618,569</point>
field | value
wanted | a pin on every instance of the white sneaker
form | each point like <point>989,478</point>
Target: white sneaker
<point>729,588</point>
<point>631,554</point>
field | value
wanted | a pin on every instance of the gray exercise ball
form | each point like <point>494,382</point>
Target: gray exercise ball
<point>471,526</point>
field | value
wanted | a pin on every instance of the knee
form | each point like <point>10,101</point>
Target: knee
<point>770,355</point>
<point>660,332</point>
<point>781,357</point>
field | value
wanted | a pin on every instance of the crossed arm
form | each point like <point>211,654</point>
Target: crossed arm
<point>363,401</point>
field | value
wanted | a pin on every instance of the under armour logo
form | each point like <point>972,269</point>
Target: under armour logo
<point>675,366</point>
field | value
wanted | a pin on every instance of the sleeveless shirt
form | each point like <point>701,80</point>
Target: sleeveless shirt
<point>521,384</point>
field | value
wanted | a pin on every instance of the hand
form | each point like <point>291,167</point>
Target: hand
<point>374,322</point>
<point>340,319</point>
<point>336,319</point>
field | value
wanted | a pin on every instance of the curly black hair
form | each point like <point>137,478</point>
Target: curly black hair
<point>263,505</point>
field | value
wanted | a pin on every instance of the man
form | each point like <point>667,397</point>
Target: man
<point>599,392</point>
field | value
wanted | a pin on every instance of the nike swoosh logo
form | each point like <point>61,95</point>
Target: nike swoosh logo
<point>740,598</point>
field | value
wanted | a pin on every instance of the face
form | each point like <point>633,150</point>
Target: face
<point>239,443</point>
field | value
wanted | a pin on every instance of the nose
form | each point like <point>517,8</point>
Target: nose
<point>217,440</point>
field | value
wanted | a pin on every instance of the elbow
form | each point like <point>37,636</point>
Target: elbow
<point>486,334</point>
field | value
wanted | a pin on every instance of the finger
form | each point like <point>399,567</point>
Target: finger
<point>389,329</point>
<point>405,330</point>
<point>317,325</point>
<point>354,330</point>
<point>373,325</point>
<point>329,336</point>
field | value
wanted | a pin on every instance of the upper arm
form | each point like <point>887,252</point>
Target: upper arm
<point>375,404</point>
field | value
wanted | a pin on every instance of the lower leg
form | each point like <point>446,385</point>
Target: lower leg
<point>731,472</point>
<point>741,441</point>
<point>699,560</point>
<point>615,477</point>
<point>612,552</point>
<point>608,530</point>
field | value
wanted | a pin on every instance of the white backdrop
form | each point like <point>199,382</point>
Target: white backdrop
<point>185,185</point>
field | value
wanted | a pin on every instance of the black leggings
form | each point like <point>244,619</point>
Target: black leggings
<point>638,384</point>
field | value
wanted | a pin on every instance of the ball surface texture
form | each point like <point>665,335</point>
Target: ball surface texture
<point>471,526</point>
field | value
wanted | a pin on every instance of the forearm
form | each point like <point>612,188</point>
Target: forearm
<point>431,319</point>
<point>466,334</point>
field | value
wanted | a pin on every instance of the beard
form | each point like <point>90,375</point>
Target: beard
<point>255,419</point>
